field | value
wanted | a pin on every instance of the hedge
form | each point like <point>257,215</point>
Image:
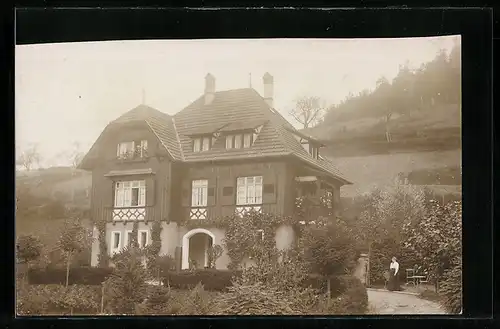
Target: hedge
<point>212,279</point>
<point>78,275</point>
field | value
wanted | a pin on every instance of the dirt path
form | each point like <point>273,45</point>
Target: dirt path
<point>387,302</point>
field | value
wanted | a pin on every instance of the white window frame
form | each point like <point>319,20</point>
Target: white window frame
<point>261,231</point>
<point>123,194</point>
<point>205,144</point>
<point>199,193</point>
<point>125,148</point>
<point>126,240</point>
<point>249,190</point>
<point>144,147</point>
<point>197,145</point>
<point>229,141</point>
<point>247,140</point>
<point>116,250</point>
<point>238,141</point>
<point>139,238</point>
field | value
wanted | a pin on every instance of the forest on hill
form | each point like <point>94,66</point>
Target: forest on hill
<point>417,108</point>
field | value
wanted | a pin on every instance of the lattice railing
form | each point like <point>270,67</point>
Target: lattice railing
<point>198,213</point>
<point>242,210</point>
<point>120,214</point>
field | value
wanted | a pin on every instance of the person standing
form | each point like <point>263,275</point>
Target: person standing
<point>393,278</point>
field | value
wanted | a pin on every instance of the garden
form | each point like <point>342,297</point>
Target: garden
<point>312,277</point>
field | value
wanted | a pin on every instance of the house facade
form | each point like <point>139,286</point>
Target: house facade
<point>226,153</point>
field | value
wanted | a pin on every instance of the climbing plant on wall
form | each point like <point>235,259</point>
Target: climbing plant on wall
<point>103,257</point>
<point>153,250</point>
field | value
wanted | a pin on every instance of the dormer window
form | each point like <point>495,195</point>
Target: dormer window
<point>238,141</point>
<point>131,150</point>
<point>201,144</point>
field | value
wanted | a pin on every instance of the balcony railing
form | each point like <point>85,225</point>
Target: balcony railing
<point>139,154</point>
<point>213,212</point>
<point>129,214</point>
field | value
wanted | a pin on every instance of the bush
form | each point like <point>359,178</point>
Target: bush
<point>197,302</point>
<point>78,275</point>
<point>211,279</point>
<point>254,299</point>
<point>159,300</point>
<point>57,299</point>
<point>352,300</point>
<point>126,287</point>
<point>451,289</point>
<point>380,258</point>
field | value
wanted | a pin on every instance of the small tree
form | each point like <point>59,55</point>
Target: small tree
<point>126,287</point>
<point>437,237</point>
<point>214,253</point>
<point>29,157</point>
<point>307,110</point>
<point>74,239</point>
<point>28,249</point>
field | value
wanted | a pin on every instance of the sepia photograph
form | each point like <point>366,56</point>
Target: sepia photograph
<point>239,177</point>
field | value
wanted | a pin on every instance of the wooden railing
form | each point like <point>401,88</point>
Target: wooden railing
<point>112,214</point>
<point>213,212</point>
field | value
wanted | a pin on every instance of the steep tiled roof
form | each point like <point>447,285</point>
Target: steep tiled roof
<point>229,110</point>
<point>160,123</point>
<point>243,107</point>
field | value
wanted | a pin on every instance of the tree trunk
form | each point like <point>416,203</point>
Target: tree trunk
<point>102,299</point>
<point>68,262</point>
<point>368,266</point>
<point>328,293</point>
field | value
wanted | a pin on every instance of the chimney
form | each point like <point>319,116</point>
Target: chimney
<point>209,89</point>
<point>268,89</point>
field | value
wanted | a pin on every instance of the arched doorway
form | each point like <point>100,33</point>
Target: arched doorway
<point>195,244</point>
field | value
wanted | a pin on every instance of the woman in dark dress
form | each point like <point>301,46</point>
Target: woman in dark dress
<point>393,284</point>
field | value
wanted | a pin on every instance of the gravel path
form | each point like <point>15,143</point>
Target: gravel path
<point>387,302</point>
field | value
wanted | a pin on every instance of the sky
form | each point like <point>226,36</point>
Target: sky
<point>68,92</point>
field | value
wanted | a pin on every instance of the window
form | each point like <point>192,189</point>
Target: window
<point>197,145</point>
<point>125,149</point>
<point>115,241</point>
<point>261,233</point>
<point>130,194</point>
<point>240,141</point>
<point>143,238</point>
<point>132,149</point>
<point>206,144</point>
<point>237,141</point>
<point>128,238</point>
<point>144,148</point>
<point>249,190</point>
<point>247,140</point>
<point>229,141</point>
<point>199,193</point>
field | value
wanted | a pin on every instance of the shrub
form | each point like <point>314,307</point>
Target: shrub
<point>78,275</point>
<point>353,299</point>
<point>254,299</point>
<point>451,289</point>
<point>211,279</point>
<point>159,300</point>
<point>57,299</point>
<point>380,258</point>
<point>328,249</point>
<point>197,302</point>
<point>28,248</point>
<point>126,287</point>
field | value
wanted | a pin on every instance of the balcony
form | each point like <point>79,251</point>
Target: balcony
<point>126,214</point>
<point>213,212</point>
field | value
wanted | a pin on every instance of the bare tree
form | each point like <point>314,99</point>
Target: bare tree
<point>76,155</point>
<point>28,158</point>
<point>308,110</point>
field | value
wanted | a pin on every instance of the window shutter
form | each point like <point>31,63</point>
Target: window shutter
<point>186,193</point>
<point>108,191</point>
<point>269,187</point>
<point>228,185</point>
<point>211,192</point>
<point>150,191</point>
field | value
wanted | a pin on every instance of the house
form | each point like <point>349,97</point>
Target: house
<point>226,153</point>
